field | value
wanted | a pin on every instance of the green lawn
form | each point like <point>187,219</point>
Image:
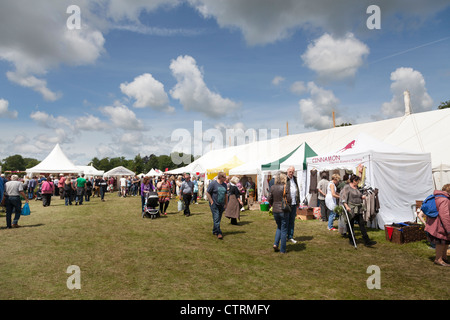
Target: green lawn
<point>123,256</point>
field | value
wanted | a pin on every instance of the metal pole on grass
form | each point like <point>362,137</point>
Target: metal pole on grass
<point>350,227</point>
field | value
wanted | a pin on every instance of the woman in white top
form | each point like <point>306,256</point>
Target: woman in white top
<point>330,199</point>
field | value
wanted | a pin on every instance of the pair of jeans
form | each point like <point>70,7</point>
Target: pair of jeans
<point>331,217</point>
<point>187,198</point>
<point>217,211</point>
<point>13,203</point>
<point>67,200</point>
<point>281,218</point>
<point>80,195</point>
<point>291,221</point>
<point>324,211</point>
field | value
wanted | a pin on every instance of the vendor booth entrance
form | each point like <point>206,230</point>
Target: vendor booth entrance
<point>297,159</point>
<point>401,177</point>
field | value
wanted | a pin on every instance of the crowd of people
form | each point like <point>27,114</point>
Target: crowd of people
<point>225,195</point>
<point>331,193</point>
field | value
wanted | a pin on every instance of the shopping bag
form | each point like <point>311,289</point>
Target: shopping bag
<point>180,205</point>
<point>25,210</point>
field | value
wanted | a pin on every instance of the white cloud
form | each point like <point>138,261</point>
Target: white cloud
<point>122,117</point>
<point>147,92</point>
<point>335,58</point>
<point>90,123</point>
<point>298,87</point>
<point>192,91</point>
<point>49,121</point>
<point>317,111</point>
<point>5,112</point>
<point>38,85</point>
<point>35,39</point>
<point>277,80</point>
<point>412,80</point>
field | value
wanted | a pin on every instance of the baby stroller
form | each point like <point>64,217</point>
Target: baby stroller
<point>151,206</point>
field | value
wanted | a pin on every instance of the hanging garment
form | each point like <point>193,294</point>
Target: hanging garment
<point>361,172</point>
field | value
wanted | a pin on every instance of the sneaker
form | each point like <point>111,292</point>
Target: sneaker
<point>292,240</point>
<point>332,229</point>
<point>219,236</point>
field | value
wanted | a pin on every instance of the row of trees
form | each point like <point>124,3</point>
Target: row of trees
<point>18,163</point>
<point>139,164</point>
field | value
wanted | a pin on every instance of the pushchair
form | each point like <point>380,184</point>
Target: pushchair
<point>151,206</point>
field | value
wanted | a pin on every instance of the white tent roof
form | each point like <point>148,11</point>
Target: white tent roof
<point>154,173</point>
<point>90,171</point>
<point>250,168</point>
<point>119,171</point>
<point>256,152</point>
<point>421,132</point>
<point>355,151</point>
<point>55,162</point>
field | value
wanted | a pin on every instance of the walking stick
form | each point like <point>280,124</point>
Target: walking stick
<point>350,227</point>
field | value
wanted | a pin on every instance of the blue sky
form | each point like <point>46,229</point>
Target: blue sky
<point>138,70</point>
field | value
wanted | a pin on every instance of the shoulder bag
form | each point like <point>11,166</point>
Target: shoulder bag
<point>285,207</point>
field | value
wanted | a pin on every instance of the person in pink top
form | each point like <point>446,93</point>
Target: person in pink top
<point>438,229</point>
<point>61,182</point>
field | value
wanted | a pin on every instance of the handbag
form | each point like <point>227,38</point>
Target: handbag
<point>285,207</point>
<point>25,210</point>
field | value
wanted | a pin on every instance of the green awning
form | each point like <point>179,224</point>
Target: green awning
<point>275,165</point>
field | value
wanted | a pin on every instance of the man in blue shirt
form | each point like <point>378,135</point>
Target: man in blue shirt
<point>186,192</point>
<point>217,197</point>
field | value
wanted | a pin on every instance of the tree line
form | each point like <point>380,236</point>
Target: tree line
<point>139,164</point>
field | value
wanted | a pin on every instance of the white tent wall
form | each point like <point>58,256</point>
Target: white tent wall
<point>401,181</point>
<point>441,176</point>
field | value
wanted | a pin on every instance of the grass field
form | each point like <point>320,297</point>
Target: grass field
<point>123,256</point>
